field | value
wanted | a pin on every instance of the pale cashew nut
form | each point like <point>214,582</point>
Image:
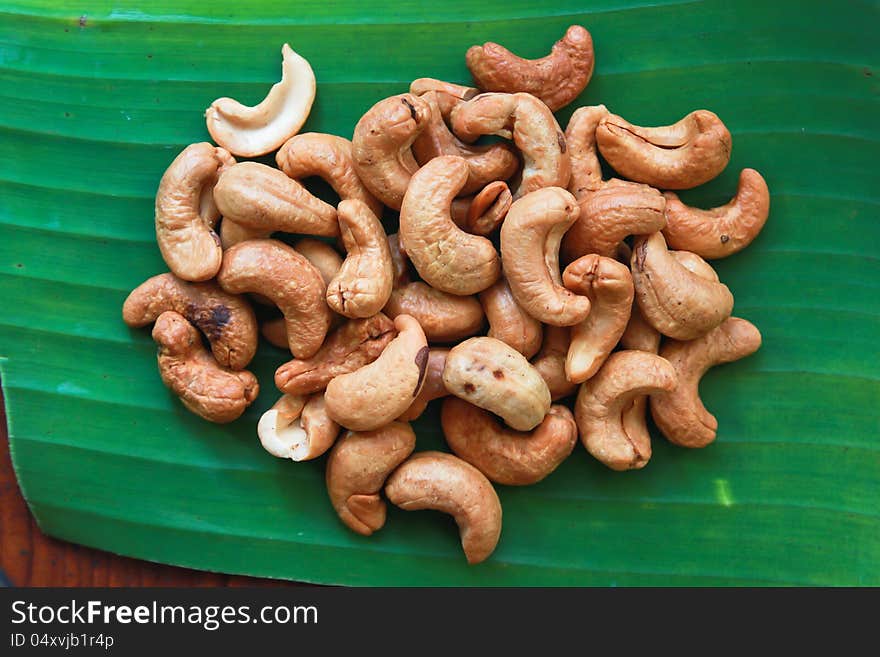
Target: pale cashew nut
<point>445,256</point>
<point>485,163</point>
<point>556,79</point>
<point>186,212</point>
<point>443,482</point>
<point>257,130</point>
<point>505,456</point>
<point>205,388</point>
<point>449,94</point>
<point>356,343</point>
<point>530,238</point>
<point>602,401</point>
<point>375,394</point>
<point>287,279</point>
<point>264,200</point>
<point>679,156</point>
<point>444,317</point>
<point>533,128</point>
<point>679,413</point>
<point>297,428</point>
<point>722,231</point>
<point>433,387</point>
<point>382,142</point>
<point>489,374</point>
<point>673,299</point>
<point>508,322</point>
<point>357,468</point>
<point>330,158</point>
<point>609,286</point>
<point>363,284</point>
<point>550,361</point>
<point>227,320</point>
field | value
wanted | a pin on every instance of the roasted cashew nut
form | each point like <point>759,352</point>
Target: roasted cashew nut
<point>489,374</point>
<point>186,212</point>
<point>275,332</point>
<point>444,317</point>
<point>433,387</point>
<point>205,388</point>
<point>443,482</point>
<point>609,286</point>
<point>580,136</point>
<point>399,261</point>
<point>639,334</point>
<point>227,320</point>
<point>483,212</point>
<point>323,256</point>
<point>375,394</point>
<point>602,401</point>
<point>556,79</point>
<point>445,256</point>
<point>363,284</point>
<point>673,299</point>
<point>330,158</point>
<point>505,456</point>
<point>449,94</point>
<point>356,471</point>
<point>550,361</point>
<point>533,128</point>
<point>679,156</point>
<point>264,200</point>
<point>356,343</point>
<point>722,231</point>
<point>485,163</point>
<point>679,413</point>
<point>287,279</point>
<point>508,322</point>
<point>382,142</point>
<point>297,428</point>
<point>530,238</point>
<point>257,130</point>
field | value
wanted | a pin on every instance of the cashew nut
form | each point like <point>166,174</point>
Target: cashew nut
<point>485,163</point>
<point>673,299</point>
<point>257,130</point>
<point>513,458</point>
<point>556,79</point>
<point>356,343</point>
<point>323,256</point>
<point>604,398</point>
<point>638,333</point>
<point>375,394</point>
<point>444,317</point>
<point>329,157</point>
<point>278,272</point>
<point>609,286</point>
<point>444,255</point>
<point>550,361</point>
<point>399,261</point>
<point>356,471</point>
<point>489,374</point>
<point>530,238</point>
<point>363,284</point>
<point>227,320</point>
<point>443,482</point>
<point>508,322</point>
<point>232,233</point>
<point>580,136</point>
<point>722,231</point>
<point>679,413</point>
<point>275,332</point>
<point>433,387</point>
<point>297,428</point>
<point>530,124</point>
<point>213,392</point>
<point>482,213</point>
<point>679,156</point>
<point>381,145</point>
<point>449,94</point>
<point>263,200</point>
<point>186,213</point>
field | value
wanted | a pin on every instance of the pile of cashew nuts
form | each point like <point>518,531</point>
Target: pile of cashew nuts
<point>519,280</point>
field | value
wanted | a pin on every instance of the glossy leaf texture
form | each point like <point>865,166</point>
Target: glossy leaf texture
<point>99,96</point>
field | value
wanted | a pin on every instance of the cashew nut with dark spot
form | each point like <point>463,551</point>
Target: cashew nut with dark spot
<point>433,387</point>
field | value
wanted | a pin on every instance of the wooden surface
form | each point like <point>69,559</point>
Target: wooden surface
<point>30,558</point>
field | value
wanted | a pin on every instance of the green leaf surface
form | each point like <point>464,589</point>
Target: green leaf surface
<point>98,97</point>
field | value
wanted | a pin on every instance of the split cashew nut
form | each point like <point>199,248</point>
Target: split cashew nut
<point>297,428</point>
<point>257,130</point>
